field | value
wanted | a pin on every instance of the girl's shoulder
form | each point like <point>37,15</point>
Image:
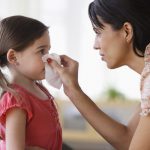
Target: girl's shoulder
<point>14,100</point>
<point>17,96</point>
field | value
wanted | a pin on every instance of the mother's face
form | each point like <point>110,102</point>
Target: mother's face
<point>115,46</point>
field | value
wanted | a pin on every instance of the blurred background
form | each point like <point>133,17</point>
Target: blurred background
<point>115,91</point>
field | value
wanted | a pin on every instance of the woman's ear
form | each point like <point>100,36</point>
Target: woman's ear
<point>128,31</point>
<point>11,56</point>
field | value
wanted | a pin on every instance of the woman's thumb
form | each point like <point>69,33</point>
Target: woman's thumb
<point>57,67</point>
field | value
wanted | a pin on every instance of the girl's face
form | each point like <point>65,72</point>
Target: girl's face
<point>112,45</point>
<point>29,61</point>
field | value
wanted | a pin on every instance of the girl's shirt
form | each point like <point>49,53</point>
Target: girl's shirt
<point>42,128</point>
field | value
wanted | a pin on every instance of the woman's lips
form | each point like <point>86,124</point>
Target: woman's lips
<point>102,56</point>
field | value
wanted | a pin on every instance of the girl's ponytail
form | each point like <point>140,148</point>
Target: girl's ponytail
<point>4,84</point>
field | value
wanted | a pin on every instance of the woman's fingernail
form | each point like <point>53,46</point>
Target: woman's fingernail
<point>49,60</point>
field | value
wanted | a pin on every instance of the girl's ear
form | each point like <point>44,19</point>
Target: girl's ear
<point>11,56</point>
<point>128,31</point>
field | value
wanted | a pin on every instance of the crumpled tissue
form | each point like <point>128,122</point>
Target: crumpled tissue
<point>51,75</point>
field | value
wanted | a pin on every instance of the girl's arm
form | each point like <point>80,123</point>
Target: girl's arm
<point>34,148</point>
<point>15,129</point>
<point>115,133</point>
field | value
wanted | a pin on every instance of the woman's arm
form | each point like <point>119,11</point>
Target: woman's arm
<point>141,138</point>
<point>115,133</point>
<point>15,129</point>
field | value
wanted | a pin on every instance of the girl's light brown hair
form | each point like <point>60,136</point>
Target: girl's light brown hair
<point>17,32</point>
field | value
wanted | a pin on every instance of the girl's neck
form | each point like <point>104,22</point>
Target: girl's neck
<point>24,83</point>
<point>29,85</point>
<point>21,80</point>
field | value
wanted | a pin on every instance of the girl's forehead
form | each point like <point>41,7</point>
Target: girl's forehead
<point>45,38</point>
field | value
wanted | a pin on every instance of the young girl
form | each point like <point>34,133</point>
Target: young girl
<point>122,30</point>
<point>28,116</point>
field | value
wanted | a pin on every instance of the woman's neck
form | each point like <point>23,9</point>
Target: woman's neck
<point>136,64</point>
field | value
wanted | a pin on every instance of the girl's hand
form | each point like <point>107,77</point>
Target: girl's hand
<point>34,148</point>
<point>68,73</point>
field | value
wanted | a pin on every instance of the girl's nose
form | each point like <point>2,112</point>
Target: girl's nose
<point>49,60</point>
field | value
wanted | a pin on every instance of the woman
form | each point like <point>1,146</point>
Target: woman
<point>122,30</point>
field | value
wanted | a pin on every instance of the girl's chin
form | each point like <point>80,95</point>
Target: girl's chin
<point>41,78</point>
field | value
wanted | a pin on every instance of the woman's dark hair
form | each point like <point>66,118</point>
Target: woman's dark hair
<point>117,12</point>
<point>17,32</point>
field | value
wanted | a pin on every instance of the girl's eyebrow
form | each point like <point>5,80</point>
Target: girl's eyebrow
<point>43,46</point>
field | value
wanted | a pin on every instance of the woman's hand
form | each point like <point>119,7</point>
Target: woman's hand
<point>68,72</point>
<point>34,148</point>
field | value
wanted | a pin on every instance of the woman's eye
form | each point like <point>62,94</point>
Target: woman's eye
<point>98,32</point>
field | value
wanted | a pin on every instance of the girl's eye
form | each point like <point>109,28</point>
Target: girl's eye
<point>42,51</point>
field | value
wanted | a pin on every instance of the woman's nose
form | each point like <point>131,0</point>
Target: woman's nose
<point>96,45</point>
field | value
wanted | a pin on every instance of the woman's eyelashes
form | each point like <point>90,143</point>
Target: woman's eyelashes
<point>97,31</point>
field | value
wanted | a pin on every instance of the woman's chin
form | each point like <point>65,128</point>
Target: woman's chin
<point>112,66</point>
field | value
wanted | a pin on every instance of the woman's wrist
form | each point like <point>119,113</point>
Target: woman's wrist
<point>73,91</point>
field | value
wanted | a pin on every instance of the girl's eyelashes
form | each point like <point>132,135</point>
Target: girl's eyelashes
<point>43,51</point>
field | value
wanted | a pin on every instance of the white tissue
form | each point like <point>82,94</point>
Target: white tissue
<point>51,76</point>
